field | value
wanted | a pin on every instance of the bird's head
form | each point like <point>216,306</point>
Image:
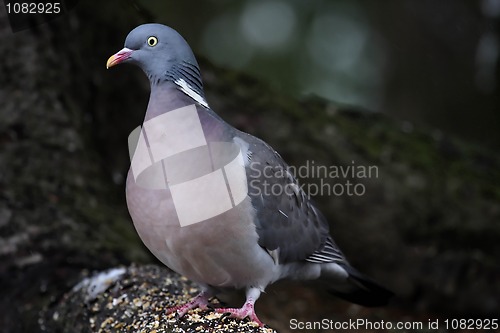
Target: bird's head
<point>158,50</point>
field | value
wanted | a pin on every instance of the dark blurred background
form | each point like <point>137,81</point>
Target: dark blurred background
<point>428,62</point>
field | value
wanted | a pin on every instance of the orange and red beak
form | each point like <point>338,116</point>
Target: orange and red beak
<point>119,57</point>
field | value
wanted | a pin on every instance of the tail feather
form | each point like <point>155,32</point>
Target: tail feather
<point>363,290</point>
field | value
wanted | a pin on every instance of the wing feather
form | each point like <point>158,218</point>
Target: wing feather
<point>287,220</point>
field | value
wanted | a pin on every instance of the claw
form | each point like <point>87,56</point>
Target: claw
<point>200,301</point>
<point>247,310</point>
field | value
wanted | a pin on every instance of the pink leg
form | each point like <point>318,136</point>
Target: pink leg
<point>247,310</point>
<point>200,301</point>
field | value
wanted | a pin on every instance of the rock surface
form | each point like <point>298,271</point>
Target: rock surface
<point>135,299</point>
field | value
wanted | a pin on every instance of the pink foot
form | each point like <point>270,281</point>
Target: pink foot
<point>200,301</point>
<point>247,310</point>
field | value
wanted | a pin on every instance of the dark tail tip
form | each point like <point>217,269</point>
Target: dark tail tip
<point>365,291</point>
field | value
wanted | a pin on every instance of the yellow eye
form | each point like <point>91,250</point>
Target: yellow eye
<point>152,41</point>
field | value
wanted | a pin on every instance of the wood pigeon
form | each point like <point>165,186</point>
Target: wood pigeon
<point>198,192</point>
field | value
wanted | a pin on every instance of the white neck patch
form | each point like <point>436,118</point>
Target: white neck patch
<point>186,88</point>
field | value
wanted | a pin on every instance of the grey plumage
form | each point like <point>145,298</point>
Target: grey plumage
<point>265,237</point>
<point>288,222</point>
